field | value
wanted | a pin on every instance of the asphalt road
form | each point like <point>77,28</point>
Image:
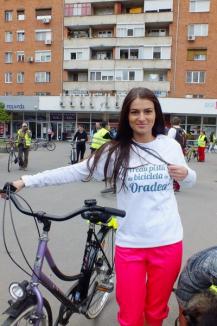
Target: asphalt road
<point>198,208</point>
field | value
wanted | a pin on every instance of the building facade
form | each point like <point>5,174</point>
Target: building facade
<point>31,36</point>
<point>101,49</point>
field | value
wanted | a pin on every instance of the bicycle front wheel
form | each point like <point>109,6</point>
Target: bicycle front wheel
<point>102,279</point>
<point>10,161</point>
<point>51,146</point>
<point>27,317</point>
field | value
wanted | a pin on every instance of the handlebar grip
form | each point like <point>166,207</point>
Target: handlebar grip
<point>115,211</point>
<point>9,187</point>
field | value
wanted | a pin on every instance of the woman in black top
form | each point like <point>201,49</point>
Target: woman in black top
<point>80,137</point>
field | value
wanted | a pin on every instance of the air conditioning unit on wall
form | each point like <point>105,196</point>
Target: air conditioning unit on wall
<point>30,59</point>
<point>191,38</point>
<point>46,20</point>
<point>48,42</point>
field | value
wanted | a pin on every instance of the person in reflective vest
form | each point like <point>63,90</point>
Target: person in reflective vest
<point>101,137</point>
<point>201,141</point>
<point>23,143</point>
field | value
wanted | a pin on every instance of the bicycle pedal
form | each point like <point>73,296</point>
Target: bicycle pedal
<point>105,287</point>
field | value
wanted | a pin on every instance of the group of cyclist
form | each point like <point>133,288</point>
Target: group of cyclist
<point>142,162</point>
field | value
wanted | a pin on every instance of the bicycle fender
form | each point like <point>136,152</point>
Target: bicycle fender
<point>19,306</point>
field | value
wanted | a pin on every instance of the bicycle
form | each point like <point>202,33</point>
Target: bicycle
<point>12,157</point>
<point>43,143</point>
<point>92,286</point>
<point>191,152</point>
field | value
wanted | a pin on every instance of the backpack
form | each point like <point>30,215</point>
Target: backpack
<point>181,137</point>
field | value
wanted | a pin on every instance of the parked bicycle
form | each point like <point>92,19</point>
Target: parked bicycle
<point>43,143</point>
<point>12,157</point>
<point>92,286</point>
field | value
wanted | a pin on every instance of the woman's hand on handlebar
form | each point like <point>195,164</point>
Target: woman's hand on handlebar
<point>19,184</point>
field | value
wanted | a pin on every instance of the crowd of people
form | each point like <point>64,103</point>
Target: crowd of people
<point>146,166</point>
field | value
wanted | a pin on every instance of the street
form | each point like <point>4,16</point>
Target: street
<point>197,206</point>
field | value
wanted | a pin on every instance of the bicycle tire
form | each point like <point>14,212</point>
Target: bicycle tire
<point>51,146</point>
<point>26,314</point>
<point>98,295</point>
<point>10,161</point>
<point>34,146</point>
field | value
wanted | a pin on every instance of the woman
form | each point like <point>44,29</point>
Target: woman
<point>142,162</point>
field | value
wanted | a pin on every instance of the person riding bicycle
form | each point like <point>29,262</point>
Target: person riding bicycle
<point>142,162</point>
<point>196,291</point>
<point>23,141</point>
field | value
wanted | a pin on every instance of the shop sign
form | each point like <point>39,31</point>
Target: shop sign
<point>56,116</point>
<point>69,116</point>
<point>14,107</point>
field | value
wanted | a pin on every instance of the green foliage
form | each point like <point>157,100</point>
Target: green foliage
<point>4,115</point>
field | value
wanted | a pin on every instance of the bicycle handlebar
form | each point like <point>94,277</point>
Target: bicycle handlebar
<point>9,191</point>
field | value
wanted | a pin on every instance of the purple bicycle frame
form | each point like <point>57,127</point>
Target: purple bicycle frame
<point>39,277</point>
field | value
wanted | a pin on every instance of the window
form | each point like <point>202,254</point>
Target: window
<point>8,15</point>
<point>20,56</point>
<point>198,30</point>
<point>198,96</point>
<point>155,77</point>
<point>8,77</point>
<point>8,37</point>
<point>45,13</point>
<point>20,14</point>
<point>20,93</point>
<point>42,56</point>
<point>197,54</point>
<point>129,54</point>
<point>20,36</point>
<point>131,75</point>
<point>130,32</point>
<point>42,35</point>
<point>8,57</point>
<point>20,77</point>
<point>42,77</point>
<point>156,52</point>
<point>199,5</point>
<point>195,77</point>
<point>42,94</point>
<point>102,75</point>
<point>105,34</point>
<point>125,75</point>
<point>77,9</point>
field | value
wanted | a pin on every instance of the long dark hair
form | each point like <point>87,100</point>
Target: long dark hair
<point>121,146</point>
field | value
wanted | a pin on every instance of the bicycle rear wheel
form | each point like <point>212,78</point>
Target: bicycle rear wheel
<point>51,146</point>
<point>102,279</point>
<point>10,161</point>
<point>26,317</point>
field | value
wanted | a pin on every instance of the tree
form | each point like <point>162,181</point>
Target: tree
<point>4,115</point>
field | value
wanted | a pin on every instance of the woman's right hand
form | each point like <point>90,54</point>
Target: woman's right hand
<point>19,184</point>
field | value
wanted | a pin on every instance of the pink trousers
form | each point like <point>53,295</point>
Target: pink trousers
<point>145,279</point>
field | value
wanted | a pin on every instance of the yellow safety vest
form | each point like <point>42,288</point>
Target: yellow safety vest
<point>24,138</point>
<point>98,139</point>
<point>201,141</point>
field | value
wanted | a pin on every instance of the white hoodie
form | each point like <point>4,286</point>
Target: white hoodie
<point>152,218</point>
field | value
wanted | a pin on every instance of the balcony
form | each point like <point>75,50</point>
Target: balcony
<point>116,64</point>
<point>117,85</point>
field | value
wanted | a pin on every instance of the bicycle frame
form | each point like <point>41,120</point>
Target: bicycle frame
<point>93,246</point>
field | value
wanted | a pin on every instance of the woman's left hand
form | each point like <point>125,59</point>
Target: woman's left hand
<point>177,172</point>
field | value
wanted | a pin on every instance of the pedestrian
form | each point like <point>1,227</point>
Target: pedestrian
<point>212,141</point>
<point>141,162</point>
<point>81,138</point>
<point>100,137</point>
<point>202,141</point>
<point>49,133</point>
<point>23,140</point>
<point>196,291</point>
<point>178,133</point>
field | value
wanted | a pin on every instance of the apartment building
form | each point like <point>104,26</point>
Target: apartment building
<point>194,73</point>
<point>31,35</point>
<point>112,46</point>
<point>108,47</point>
